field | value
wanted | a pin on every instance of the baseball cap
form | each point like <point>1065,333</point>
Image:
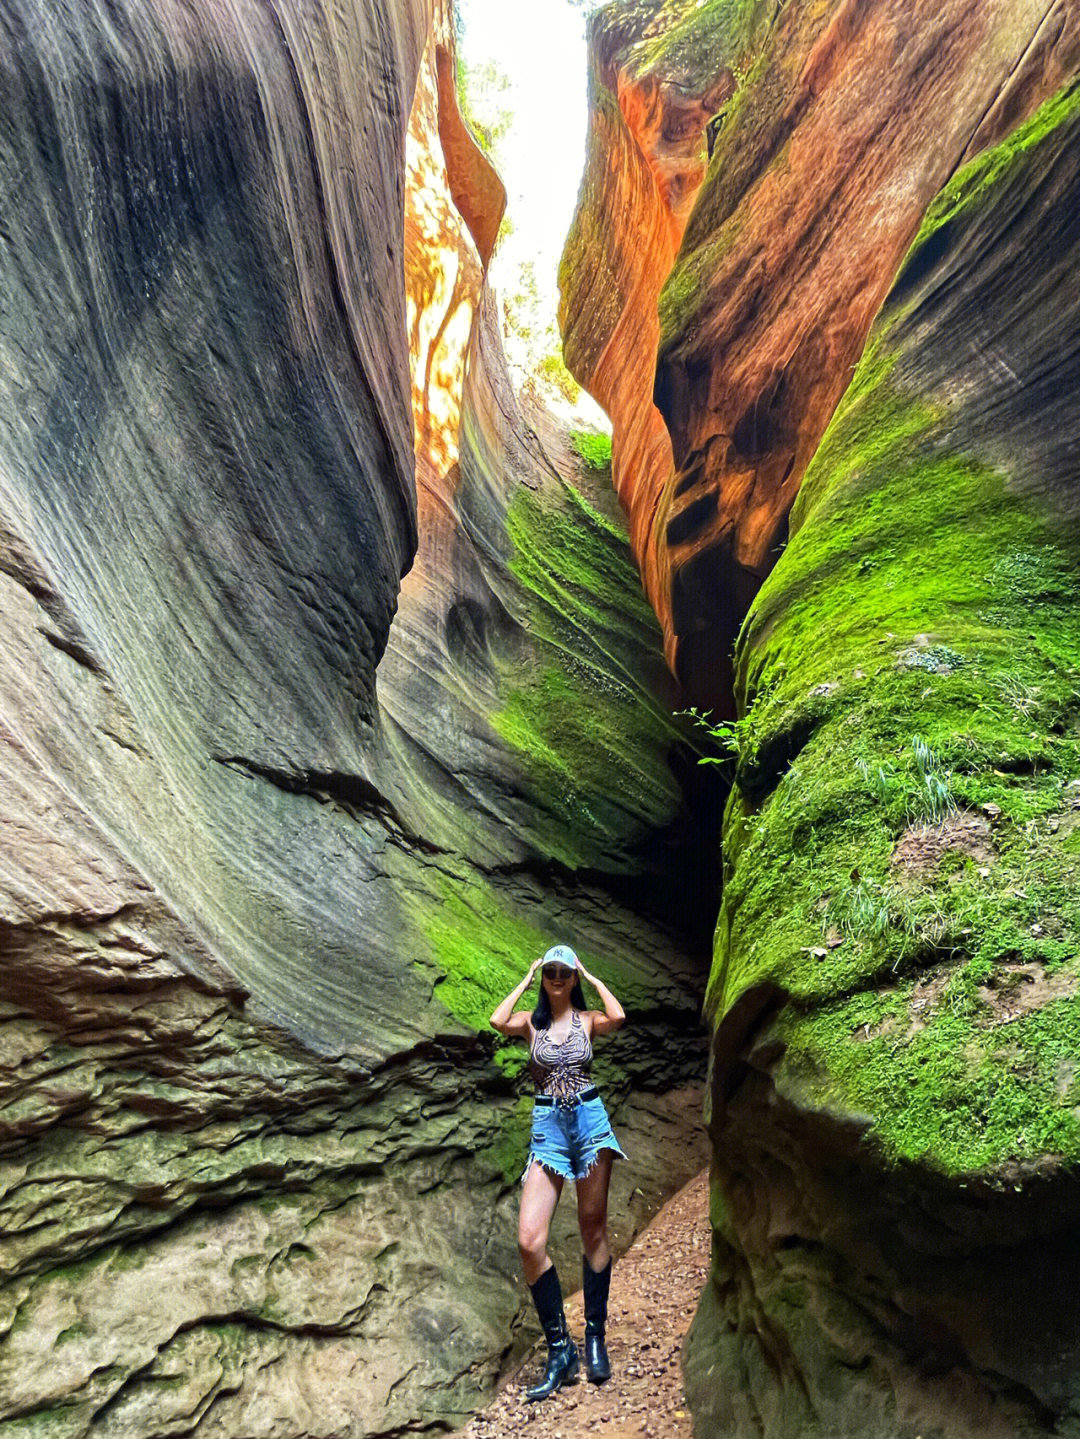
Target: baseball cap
<point>561,954</point>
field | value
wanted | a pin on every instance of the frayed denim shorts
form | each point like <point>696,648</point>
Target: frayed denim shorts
<point>567,1141</point>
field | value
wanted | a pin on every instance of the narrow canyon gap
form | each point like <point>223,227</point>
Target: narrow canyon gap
<point>329,699</point>
<point>329,694</point>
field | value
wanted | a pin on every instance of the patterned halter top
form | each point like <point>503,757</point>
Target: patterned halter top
<point>561,1070</point>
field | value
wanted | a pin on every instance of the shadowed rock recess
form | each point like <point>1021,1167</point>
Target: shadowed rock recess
<point>873,307</point>
<point>270,852</point>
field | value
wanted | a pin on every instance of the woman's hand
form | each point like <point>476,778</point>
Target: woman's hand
<point>614,1015</point>
<point>505,1020</point>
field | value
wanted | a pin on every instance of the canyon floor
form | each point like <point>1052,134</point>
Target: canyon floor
<point>654,1292</point>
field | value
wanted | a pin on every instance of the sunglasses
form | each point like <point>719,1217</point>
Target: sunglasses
<point>557,971</point>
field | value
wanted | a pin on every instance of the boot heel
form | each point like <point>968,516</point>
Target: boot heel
<point>573,1370</point>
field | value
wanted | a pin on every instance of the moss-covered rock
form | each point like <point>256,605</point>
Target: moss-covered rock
<point>895,1095</point>
<point>257,901</point>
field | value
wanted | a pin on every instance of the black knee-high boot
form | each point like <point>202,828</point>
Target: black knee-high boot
<point>562,1358</point>
<point>597,1363</point>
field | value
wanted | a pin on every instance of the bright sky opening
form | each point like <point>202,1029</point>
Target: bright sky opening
<point>526,75</point>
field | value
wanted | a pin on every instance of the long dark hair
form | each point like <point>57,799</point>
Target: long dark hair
<point>541,1015</point>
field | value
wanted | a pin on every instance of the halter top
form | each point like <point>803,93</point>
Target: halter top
<point>561,1070</point>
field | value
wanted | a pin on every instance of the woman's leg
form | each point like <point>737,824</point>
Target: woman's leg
<point>539,1196</point>
<point>592,1197</point>
<point>592,1201</point>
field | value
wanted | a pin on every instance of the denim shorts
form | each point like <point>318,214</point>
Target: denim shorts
<point>567,1141</point>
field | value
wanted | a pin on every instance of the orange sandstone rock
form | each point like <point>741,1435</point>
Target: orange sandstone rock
<point>646,161</point>
<point>859,114</point>
<point>835,122</point>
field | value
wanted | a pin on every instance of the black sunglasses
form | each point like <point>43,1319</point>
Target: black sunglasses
<point>557,971</point>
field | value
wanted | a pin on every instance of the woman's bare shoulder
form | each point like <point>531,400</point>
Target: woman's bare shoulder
<point>519,1025</point>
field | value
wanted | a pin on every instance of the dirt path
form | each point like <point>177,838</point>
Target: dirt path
<point>654,1292</point>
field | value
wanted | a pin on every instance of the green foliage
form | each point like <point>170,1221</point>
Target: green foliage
<point>731,736</point>
<point>529,326</point>
<point>933,800</point>
<point>482,96</point>
<point>552,368</point>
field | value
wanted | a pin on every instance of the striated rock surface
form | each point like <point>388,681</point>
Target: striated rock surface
<point>259,1155</point>
<point>657,73</point>
<point>824,160</point>
<point>894,1101</point>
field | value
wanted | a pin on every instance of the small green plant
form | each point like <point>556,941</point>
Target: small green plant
<point>860,912</point>
<point>880,779</point>
<point>730,735</point>
<point>933,800</point>
<point>1019,696</point>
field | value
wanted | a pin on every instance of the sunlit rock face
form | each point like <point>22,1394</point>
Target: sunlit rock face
<point>872,315</point>
<point>823,163</point>
<point>271,855</point>
<point>894,1098</point>
<point>653,86</point>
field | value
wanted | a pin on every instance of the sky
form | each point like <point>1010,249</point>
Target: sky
<point>540,49</point>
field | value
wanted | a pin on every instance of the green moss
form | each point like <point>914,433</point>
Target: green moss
<point>588,727</point>
<point>125,1257</point>
<point>687,281</point>
<point>948,687</point>
<point>512,1148</point>
<point>696,39</point>
<point>484,951</point>
<point>511,1061</point>
<point>594,449</point>
<point>943,1084</point>
<point>73,1332</point>
<point>56,1421</point>
<point>973,183</point>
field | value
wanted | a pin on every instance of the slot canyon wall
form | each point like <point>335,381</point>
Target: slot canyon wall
<point>848,453</point>
<point>281,826</point>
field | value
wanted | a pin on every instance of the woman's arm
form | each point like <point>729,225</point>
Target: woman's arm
<point>613,1016</point>
<point>503,1019</point>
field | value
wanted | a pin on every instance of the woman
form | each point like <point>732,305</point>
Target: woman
<point>572,1138</point>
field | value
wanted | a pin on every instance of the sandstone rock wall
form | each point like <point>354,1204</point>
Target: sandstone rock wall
<point>823,160</point>
<point>894,995</point>
<point>269,858</point>
<point>886,225</point>
<point>655,79</point>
